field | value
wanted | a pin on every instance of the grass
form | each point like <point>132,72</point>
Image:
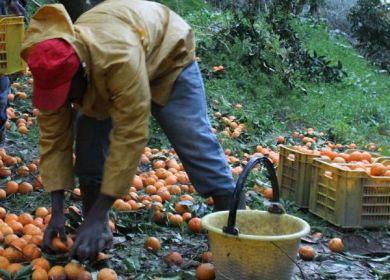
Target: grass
<point>354,110</point>
<point>357,109</point>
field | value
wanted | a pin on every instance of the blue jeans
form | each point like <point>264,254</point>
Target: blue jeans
<point>185,121</point>
<point>4,89</point>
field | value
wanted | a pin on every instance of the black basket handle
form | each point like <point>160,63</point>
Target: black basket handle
<point>275,206</point>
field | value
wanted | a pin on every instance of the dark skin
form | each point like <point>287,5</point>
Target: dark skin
<point>95,206</point>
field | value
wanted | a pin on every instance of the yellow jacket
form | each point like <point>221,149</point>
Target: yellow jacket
<point>133,51</point>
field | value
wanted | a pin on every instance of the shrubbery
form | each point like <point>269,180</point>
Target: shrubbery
<point>370,20</point>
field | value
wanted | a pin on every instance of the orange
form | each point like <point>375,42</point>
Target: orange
<point>60,246</point>
<point>150,189</point>
<point>13,254</point>
<point>41,263</point>
<point>180,208</point>
<point>207,257</point>
<point>23,171</point>
<point>3,194</point>
<point>32,167</point>
<point>9,238</point>
<point>186,216</point>
<point>3,212</point>
<point>336,245</point>
<point>25,187</point>
<point>175,219</point>
<point>4,262</point>
<point>19,243</point>
<point>73,270</point>
<point>378,169</point>
<point>268,194</point>
<point>5,171</point>
<point>366,156</point>
<point>356,156</point>
<point>280,140</point>
<point>23,129</point>
<point>37,239</point>
<point>173,258</point>
<point>152,244</point>
<point>41,212</point>
<point>14,267</point>
<point>85,275</point>
<point>137,182</point>
<point>205,271</point>
<point>16,226</point>
<point>57,272</point>
<point>31,251</point>
<point>39,274</point>
<point>25,218</point>
<point>107,274</point>
<point>195,225</point>
<point>11,187</point>
<point>307,253</point>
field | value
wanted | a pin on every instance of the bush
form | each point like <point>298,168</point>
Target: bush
<point>370,21</point>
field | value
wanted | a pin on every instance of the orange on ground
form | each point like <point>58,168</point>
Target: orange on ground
<point>25,218</point>
<point>205,271</point>
<point>25,187</point>
<point>11,187</point>
<point>14,267</point>
<point>5,171</point>
<point>73,270</point>
<point>4,262</point>
<point>173,258</point>
<point>153,244</point>
<point>57,272</point>
<point>195,225</point>
<point>60,246</point>
<point>268,194</point>
<point>107,274</point>
<point>85,275</point>
<point>336,245</point>
<point>31,251</point>
<point>3,194</point>
<point>39,274</point>
<point>207,257</point>
<point>41,212</point>
<point>41,263</point>
<point>307,253</point>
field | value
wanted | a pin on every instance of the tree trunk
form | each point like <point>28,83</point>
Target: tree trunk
<point>76,7</point>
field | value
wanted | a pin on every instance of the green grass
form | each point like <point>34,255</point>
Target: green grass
<point>354,110</point>
<point>357,109</point>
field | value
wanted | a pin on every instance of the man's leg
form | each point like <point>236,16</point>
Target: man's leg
<point>92,142</point>
<point>185,121</point>
<point>4,89</point>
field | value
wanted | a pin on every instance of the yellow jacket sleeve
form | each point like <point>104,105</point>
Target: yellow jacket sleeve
<point>56,149</point>
<point>127,81</point>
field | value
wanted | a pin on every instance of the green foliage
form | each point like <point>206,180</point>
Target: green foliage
<point>370,21</point>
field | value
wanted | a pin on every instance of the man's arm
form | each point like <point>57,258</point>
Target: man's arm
<point>56,164</point>
<point>56,148</point>
<point>129,85</point>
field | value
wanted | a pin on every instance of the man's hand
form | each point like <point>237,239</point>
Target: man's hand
<point>56,225</point>
<point>94,235</point>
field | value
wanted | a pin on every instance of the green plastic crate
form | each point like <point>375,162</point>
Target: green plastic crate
<point>347,198</point>
<point>11,38</point>
<point>294,175</point>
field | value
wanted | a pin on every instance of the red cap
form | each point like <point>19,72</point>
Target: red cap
<point>53,63</point>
